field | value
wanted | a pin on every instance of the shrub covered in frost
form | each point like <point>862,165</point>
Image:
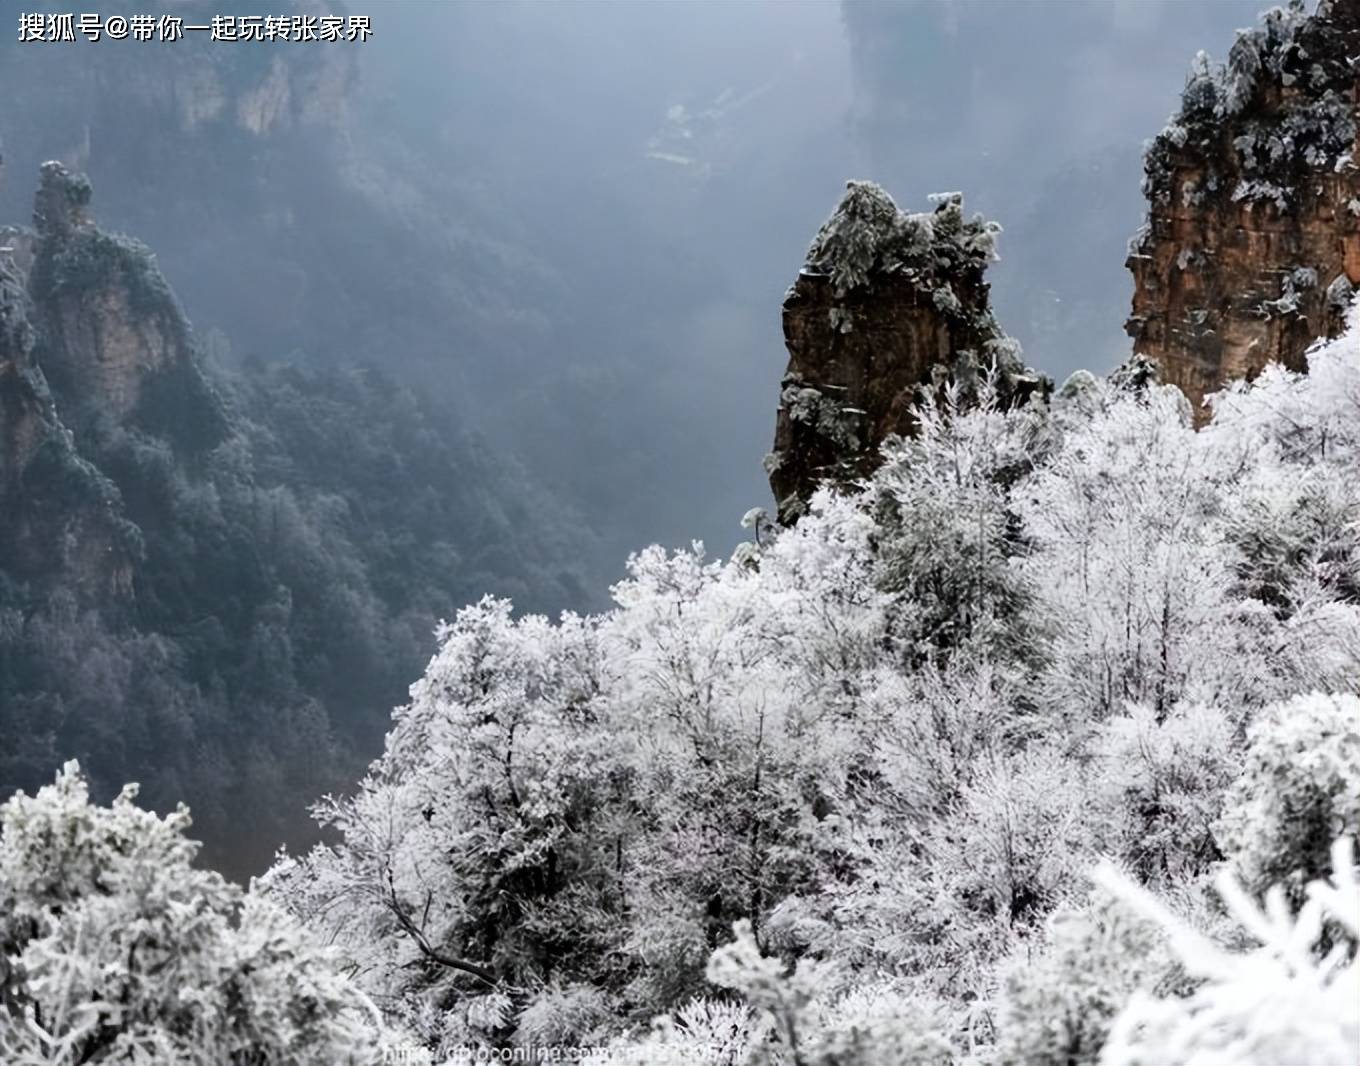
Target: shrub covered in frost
<point>1057,1007</point>
<point>1162,782</point>
<point>869,234</point>
<point>1245,108</point>
<point>1299,791</point>
<point>811,1017</point>
<point>113,948</point>
<point>1283,1002</point>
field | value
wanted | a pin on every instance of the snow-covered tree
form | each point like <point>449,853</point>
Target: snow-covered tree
<point>483,840</point>
<point>1284,1001</point>
<point>1290,442</point>
<point>114,948</point>
<point>1298,791</point>
<point>813,1016</point>
<point>1162,785</point>
<point>1134,565</point>
<point>946,529</point>
<point>884,745</point>
<point>1059,1002</point>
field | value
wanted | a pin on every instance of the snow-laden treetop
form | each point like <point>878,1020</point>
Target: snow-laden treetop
<point>868,233</point>
<point>1282,105</point>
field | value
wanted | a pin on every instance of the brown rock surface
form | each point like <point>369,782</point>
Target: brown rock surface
<point>83,538</point>
<point>1252,244</point>
<point>22,408</point>
<point>886,304</point>
<point>109,326</point>
<point>92,342</point>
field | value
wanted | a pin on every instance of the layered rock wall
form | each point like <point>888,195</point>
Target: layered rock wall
<point>60,516</point>
<point>92,345</point>
<point>1251,250</point>
<point>886,304</point>
<point>109,328</point>
<point>22,409</point>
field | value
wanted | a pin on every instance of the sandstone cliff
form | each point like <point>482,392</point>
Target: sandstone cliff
<point>111,337</point>
<point>24,405</point>
<point>92,342</point>
<point>1252,245</point>
<point>72,525</point>
<point>192,85</point>
<point>886,304</point>
<point>232,160</point>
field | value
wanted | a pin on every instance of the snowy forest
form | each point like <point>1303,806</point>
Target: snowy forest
<point>992,760</point>
<point>975,745</point>
<point>1027,735</point>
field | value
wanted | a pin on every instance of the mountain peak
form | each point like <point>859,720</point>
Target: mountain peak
<point>60,207</point>
<point>1251,249</point>
<point>886,304</point>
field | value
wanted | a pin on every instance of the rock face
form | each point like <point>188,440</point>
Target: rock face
<point>198,83</point>
<point>1251,250</point>
<point>244,153</point>
<point>92,341</point>
<point>23,404</point>
<point>886,304</point>
<point>112,338</point>
<point>75,527</point>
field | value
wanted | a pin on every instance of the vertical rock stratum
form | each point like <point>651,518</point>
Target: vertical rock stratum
<point>1251,250</point>
<point>24,404</point>
<point>887,303</point>
<point>112,338</point>
<point>92,341</point>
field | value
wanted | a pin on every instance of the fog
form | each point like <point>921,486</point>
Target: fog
<point>577,221</point>
<point>666,165</point>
